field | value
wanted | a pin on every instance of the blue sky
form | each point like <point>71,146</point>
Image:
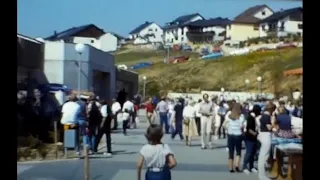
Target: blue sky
<point>40,18</point>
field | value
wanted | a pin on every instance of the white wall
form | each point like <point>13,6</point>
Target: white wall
<point>169,35</point>
<point>60,67</point>
<point>87,40</point>
<point>151,29</point>
<point>106,42</point>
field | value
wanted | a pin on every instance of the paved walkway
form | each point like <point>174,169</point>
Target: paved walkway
<point>193,163</point>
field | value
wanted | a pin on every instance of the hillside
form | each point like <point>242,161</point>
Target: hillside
<point>228,72</point>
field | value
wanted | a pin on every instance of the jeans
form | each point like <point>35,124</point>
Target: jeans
<point>251,149</point>
<point>164,120</point>
<point>164,174</point>
<point>234,144</point>
<point>125,126</point>
<point>92,137</point>
<point>178,130</point>
<point>82,132</point>
<point>221,130</point>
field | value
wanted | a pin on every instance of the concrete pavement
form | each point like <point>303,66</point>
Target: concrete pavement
<point>193,162</point>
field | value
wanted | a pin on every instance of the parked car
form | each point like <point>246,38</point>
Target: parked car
<point>178,59</point>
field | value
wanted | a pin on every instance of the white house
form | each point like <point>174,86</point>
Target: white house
<point>246,24</point>
<point>282,23</point>
<point>89,34</point>
<point>149,32</point>
<point>175,32</point>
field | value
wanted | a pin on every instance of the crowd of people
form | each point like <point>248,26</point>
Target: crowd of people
<point>254,122</point>
<point>92,118</point>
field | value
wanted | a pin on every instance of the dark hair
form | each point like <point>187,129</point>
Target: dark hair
<point>256,110</point>
<point>126,110</point>
<point>270,107</point>
<point>103,102</point>
<point>236,111</point>
<point>199,101</point>
<point>154,134</point>
<point>205,94</point>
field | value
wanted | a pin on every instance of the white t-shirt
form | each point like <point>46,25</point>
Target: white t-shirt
<point>70,111</point>
<point>155,155</point>
<point>235,126</point>
<point>115,107</point>
<point>128,105</point>
<point>104,111</point>
<point>125,116</point>
<point>171,108</point>
<point>189,112</point>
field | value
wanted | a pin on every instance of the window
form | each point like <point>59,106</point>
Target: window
<point>150,29</point>
<point>182,31</point>
<point>92,41</point>
<point>155,29</point>
<point>263,13</point>
<point>182,39</point>
<point>300,26</point>
<point>263,27</point>
<point>172,40</point>
<point>256,27</point>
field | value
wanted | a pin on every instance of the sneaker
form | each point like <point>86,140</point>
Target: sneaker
<point>112,142</point>
<point>254,170</point>
<point>107,154</point>
<point>227,149</point>
<point>78,153</point>
<point>90,152</point>
<point>246,171</point>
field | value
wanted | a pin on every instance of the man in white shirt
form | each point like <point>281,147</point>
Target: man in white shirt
<point>115,108</point>
<point>130,107</point>
<point>105,128</point>
<point>207,112</point>
<point>70,111</point>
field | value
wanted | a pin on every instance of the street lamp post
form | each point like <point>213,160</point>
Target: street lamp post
<point>259,79</point>
<point>247,84</point>
<point>144,86</point>
<point>79,49</point>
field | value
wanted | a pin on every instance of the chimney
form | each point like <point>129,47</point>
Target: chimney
<point>147,22</point>
<point>55,33</point>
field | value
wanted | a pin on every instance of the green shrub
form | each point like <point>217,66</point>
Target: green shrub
<point>26,153</point>
<point>43,151</point>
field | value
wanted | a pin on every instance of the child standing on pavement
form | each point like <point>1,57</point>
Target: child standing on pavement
<point>157,156</point>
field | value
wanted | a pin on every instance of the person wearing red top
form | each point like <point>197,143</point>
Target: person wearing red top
<point>149,109</point>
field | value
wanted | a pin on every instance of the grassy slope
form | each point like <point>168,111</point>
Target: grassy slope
<point>227,72</point>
